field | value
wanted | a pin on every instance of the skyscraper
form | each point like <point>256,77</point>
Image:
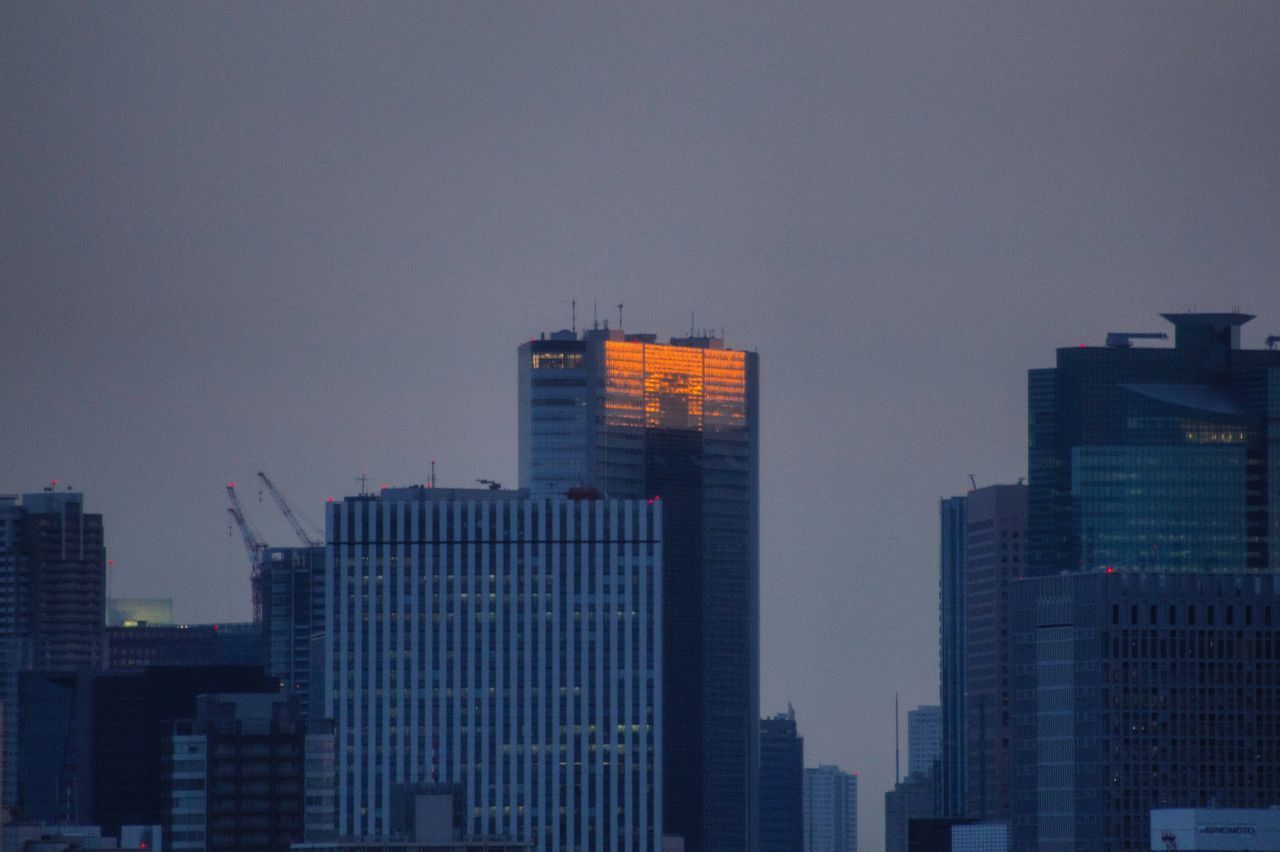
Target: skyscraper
<point>628,417</point>
<point>1143,643</point>
<point>951,655</point>
<point>830,810</point>
<point>293,622</point>
<point>924,739</point>
<point>1157,458</point>
<point>995,540</point>
<point>507,645</point>
<point>52,597</point>
<point>1148,691</point>
<point>781,784</point>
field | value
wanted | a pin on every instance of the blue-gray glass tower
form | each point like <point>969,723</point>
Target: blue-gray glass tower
<point>781,784</point>
<point>1157,459</point>
<point>632,418</point>
<point>1146,642</point>
<point>951,653</point>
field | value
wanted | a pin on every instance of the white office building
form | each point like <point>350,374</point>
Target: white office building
<point>508,645</point>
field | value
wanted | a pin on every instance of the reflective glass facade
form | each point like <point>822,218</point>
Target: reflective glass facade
<point>642,419</point>
<point>1157,459</point>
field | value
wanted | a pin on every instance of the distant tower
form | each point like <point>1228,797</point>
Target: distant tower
<point>627,417</point>
<point>52,597</point>
<point>781,784</point>
<point>830,810</point>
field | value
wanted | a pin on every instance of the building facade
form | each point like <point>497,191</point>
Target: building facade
<point>1157,458</point>
<point>995,544</point>
<point>951,650</point>
<point>924,739</point>
<point>631,418</point>
<point>52,598</point>
<point>781,784</point>
<point>293,621</point>
<point>830,810</point>
<point>244,774</point>
<point>1141,691</point>
<point>509,645</point>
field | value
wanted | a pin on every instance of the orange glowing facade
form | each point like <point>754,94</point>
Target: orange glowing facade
<point>657,386</point>
<point>623,416</point>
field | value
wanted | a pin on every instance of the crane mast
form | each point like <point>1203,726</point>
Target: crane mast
<point>305,536</point>
<point>253,545</point>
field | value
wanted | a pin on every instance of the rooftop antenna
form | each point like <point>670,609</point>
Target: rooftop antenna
<point>897,766</point>
<point>363,480</point>
<point>619,316</point>
<point>431,483</point>
<point>574,303</point>
<point>595,320</point>
<point>691,316</point>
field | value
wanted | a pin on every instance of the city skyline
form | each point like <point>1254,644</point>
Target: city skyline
<point>310,250</point>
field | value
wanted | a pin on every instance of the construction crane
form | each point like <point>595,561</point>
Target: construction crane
<point>253,545</point>
<point>304,535</point>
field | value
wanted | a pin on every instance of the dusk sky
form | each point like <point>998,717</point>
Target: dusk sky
<point>309,238</point>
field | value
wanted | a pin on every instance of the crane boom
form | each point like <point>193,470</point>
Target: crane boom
<point>304,535</point>
<point>253,545</point>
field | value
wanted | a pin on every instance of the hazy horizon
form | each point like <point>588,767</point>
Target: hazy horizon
<point>308,239</point>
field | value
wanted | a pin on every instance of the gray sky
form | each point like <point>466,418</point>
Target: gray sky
<point>308,239</point>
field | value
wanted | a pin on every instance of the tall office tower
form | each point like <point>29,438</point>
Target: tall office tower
<point>781,784</point>
<point>995,542</point>
<point>508,645</point>
<point>52,596</point>
<point>293,621</point>
<point>830,810</point>
<point>1152,504</point>
<point>1157,459</point>
<point>924,739</point>
<point>1149,691</point>
<point>246,774</point>
<point>628,417</point>
<point>951,655</point>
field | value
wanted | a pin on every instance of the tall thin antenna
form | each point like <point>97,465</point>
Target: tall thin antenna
<point>691,316</point>
<point>595,317</point>
<point>897,760</point>
<point>431,483</point>
<point>619,316</point>
<point>575,317</point>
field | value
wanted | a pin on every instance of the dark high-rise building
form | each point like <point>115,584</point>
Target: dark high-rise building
<point>246,774</point>
<point>1143,637</point>
<point>781,784</point>
<point>951,655</point>
<point>995,540</point>
<point>293,621</point>
<point>625,416</point>
<point>1157,458</point>
<point>128,712</point>
<point>1141,691</point>
<point>52,598</point>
